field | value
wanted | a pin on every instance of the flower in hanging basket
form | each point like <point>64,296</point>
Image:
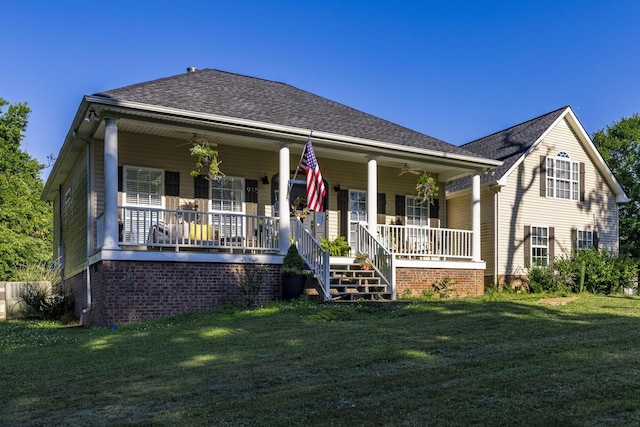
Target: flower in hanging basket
<point>207,159</point>
<point>426,188</point>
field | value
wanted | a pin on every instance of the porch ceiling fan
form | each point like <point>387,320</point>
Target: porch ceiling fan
<point>407,169</point>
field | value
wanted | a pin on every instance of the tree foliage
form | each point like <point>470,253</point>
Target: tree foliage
<point>25,220</point>
<point>619,145</point>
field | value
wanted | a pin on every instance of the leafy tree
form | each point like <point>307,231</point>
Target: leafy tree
<point>619,145</point>
<point>25,220</point>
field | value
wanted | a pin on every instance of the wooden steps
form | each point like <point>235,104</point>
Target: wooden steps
<point>349,282</point>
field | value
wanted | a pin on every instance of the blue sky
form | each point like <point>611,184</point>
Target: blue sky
<point>455,70</point>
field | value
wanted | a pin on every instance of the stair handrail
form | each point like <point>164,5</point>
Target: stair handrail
<point>313,254</point>
<point>381,257</point>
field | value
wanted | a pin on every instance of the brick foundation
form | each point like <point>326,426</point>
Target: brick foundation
<point>415,281</point>
<point>131,291</point>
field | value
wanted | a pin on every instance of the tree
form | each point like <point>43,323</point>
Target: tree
<point>619,145</point>
<point>25,220</point>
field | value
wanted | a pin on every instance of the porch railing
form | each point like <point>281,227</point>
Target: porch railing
<point>154,227</point>
<point>381,258</point>
<point>313,254</point>
<point>420,242</point>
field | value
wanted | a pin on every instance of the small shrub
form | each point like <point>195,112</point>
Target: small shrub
<point>251,281</point>
<point>445,288</point>
<point>41,296</point>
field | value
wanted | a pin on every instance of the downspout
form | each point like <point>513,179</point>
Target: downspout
<point>496,235</point>
<point>60,245</point>
<point>89,228</point>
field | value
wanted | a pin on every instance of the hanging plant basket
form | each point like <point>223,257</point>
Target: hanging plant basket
<point>207,162</point>
<point>426,188</point>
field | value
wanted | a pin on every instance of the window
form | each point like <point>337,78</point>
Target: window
<point>143,187</point>
<point>227,194</point>
<point>563,177</point>
<point>539,246</point>
<point>417,213</point>
<point>585,239</point>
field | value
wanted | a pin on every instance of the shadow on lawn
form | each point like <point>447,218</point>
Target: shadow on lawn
<point>294,361</point>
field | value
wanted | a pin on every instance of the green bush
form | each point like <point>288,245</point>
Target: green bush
<point>590,270</point>
<point>41,295</point>
<point>336,247</point>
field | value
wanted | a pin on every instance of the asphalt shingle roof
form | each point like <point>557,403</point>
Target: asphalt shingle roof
<point>508,146</point>
<point>217,92</point>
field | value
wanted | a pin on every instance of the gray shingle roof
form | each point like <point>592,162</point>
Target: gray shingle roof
<point>233,95</point>
<point>508,145</point>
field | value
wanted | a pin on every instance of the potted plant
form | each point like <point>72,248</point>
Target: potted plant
<point>293,274</point>
<point>426,188</point>
<point>336,247</point>
<point>207,159</point>
<point>364,261</point>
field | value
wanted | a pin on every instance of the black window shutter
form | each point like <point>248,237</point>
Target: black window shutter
<point>343,208</point>
<point>543,176</point>
<point>552,244</point>
<point>251,190</point>
<point>527,246</point>
<point>400,209</point>
<point>120,186</point>
<point>582,173</point>
<point>200,187</point>
<point>596,239</point>
<point>382,203</point>
<point>434,209</point>
<point>574,240</point>
<point>171,183</point>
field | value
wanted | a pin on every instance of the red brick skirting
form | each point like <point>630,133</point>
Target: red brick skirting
<point>131,291</point>
<point>417,280</point>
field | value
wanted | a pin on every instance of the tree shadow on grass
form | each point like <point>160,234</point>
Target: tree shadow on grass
<point>444,362</point>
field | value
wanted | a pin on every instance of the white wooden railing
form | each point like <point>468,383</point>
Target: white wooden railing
<point>154,227</point>
<point>313,254</point>
<point>381,258</point>
<point>415,241</point>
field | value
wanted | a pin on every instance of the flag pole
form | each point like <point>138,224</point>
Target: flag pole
<point>295,175</point>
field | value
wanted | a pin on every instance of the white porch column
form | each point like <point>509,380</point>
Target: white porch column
<point>372,195</point>
<point>475,217</point>
<point>283,198</point>
<point>110,184</point>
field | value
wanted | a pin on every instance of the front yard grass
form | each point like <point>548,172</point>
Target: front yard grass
<point>486,361</point>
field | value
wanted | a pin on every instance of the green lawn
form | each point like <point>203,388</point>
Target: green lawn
<point>503,361</point>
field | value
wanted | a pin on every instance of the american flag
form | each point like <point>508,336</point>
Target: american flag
<point>316,191</point>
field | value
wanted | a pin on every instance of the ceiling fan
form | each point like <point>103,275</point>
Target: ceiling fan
<point>407,169</point>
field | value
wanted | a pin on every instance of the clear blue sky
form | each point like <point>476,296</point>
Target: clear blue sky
<point>455,70</point>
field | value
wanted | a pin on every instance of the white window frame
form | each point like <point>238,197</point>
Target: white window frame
<point>584,239</point>
<point>229,226</point>
<point>137,226</point>
<point>539,243</point>
<point>563,177</point>
<point>239,191</point>
<point>411,208</point>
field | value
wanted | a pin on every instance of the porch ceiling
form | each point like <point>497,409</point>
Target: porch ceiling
<point>325,146</point>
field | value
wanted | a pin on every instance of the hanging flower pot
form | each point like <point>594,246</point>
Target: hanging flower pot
<point>426,188</point>
<point>207,162</point>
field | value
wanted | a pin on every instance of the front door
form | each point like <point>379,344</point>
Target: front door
<point>357,213</point>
